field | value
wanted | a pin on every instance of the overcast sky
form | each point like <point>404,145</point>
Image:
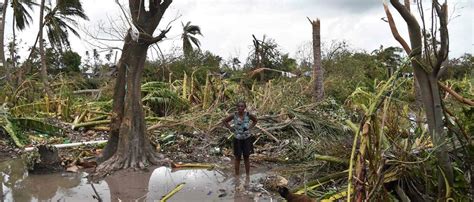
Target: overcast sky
<point>228,25</point>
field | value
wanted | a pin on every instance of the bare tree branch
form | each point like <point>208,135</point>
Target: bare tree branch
<point>413,27</point>
<point>156,13</point>
<point>105,35</point>
<point>426,45</point>
<point>442,12</point>
<point>458,97</point>
<point>147,39</point>
<point>394,30</point>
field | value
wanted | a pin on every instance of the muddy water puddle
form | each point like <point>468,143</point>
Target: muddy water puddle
<point>200,185</point>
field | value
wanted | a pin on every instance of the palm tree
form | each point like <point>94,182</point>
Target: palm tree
<point>21,19</point>
<point>44,72</point>
<point>58,22</point>
<point>189,37</point>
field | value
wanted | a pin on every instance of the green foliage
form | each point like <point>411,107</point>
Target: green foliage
<point>53,61</point>
<point>286,63</point>
<point>57,61</point>
<point>389,58</point>
<point>71,61</point>
<point>458,68</point>
<point>15,127</point>
<point>197,63</point>
<point>266,54</point>
<point>463,112</point>
<point>346,70</point>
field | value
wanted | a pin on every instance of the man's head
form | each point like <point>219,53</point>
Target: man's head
<point>241,106</point>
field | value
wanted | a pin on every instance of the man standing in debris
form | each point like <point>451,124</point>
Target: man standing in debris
<point>243,145</point>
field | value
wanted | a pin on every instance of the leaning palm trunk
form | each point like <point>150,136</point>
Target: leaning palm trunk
<point>2,37</point>
<point>318,72</point>
<point>44,72</point>
<point>13,44</point>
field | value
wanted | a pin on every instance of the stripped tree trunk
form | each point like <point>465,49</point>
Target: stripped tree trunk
<point>426,77</point>
<point>318,72</point>
<point>128,145</point>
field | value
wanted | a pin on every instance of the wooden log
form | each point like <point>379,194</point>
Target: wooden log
<point>90,124</point>
<point>268,133</point>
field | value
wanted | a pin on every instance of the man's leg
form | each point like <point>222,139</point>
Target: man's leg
<point>237,156</point>
<point>237,165</point>
<point>247,150</point>
<point>247,165</point>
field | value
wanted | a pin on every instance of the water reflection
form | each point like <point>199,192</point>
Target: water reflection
<point>18,185</point>
<point>201,185</point>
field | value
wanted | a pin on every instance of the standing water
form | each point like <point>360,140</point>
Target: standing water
<point>200,185</point>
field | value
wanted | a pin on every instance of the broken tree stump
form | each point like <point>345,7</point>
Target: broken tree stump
<point>48,161</point>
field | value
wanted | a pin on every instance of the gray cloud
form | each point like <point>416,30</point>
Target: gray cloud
<point>338,6</point>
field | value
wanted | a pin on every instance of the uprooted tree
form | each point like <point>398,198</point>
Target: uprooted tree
<point>428,51</point>
<point>128,146</point>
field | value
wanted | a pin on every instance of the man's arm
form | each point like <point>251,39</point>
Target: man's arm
<point>227,120</point>
<point>254,120</point>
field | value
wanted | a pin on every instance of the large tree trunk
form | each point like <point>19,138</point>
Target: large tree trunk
<point>2,37</point>
<point>129,147</point>
<point>44,71</point>
<point>318,72</point>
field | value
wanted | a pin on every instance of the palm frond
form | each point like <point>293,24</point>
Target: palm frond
<point>189,38</point>
<point>195,41</point>
<point>58,37</point>
<point>20,12</point>
<point>193,29</point>
<point>71,8</point>
<point>60,21</point>
<point>153,85</point>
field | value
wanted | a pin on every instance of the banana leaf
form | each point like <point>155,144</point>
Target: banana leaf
<point>37,125</point>
<point>11,131</point>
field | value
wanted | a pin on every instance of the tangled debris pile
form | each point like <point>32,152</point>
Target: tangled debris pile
<point>311,145</point>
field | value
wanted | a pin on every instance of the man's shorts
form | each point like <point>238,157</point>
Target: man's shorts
<point>243,147</point>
